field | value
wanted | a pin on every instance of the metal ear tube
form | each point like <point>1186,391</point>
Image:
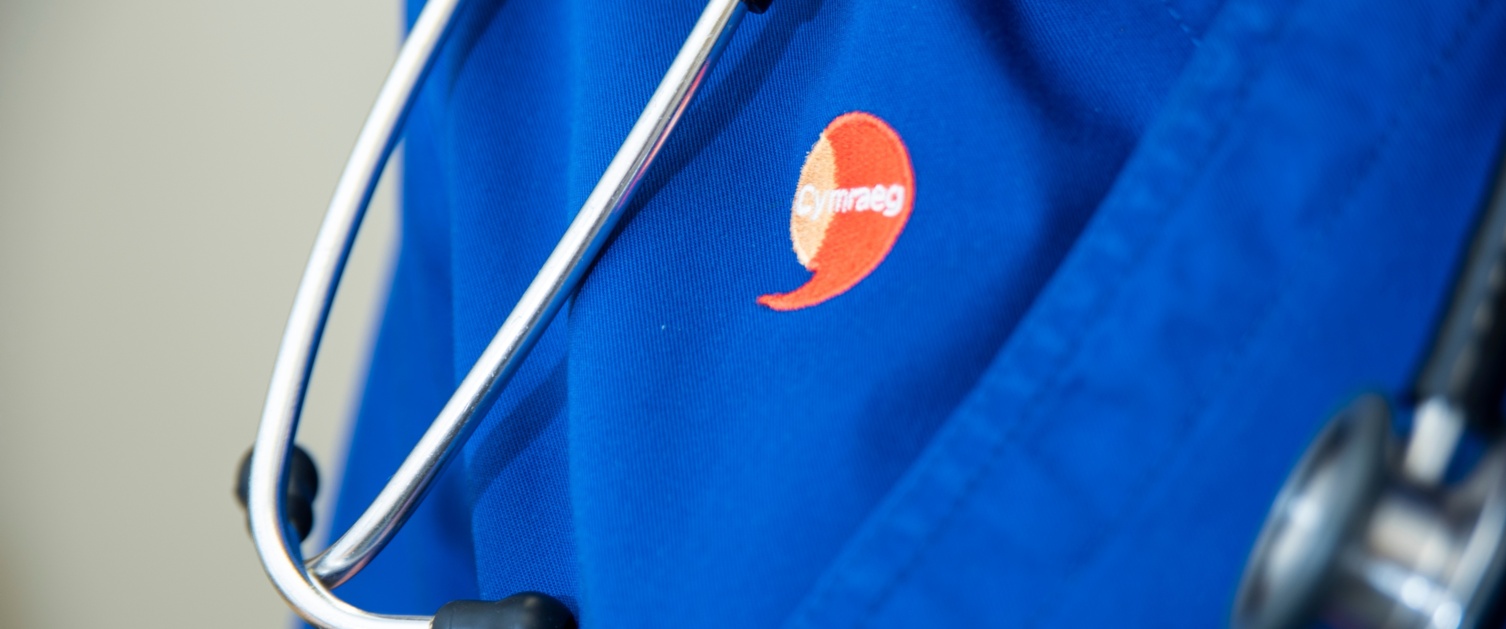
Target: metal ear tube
<point>1369,531</point>
<point>307,585</point>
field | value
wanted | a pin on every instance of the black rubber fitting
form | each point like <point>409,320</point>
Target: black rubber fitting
<point>757,6</point>
<point>299,493</point>
<point>524,610</point>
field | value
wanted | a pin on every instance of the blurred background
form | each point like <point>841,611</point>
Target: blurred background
<point>163,168</point>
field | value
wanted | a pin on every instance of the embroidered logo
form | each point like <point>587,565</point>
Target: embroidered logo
<point>852,201</point>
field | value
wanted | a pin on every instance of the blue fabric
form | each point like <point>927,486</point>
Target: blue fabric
<point>1153,245</point>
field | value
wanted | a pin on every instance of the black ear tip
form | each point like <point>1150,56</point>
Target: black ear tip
<point>243,479</point>
<point>524,610</point>
<point>757,6</point>
<point>301,489</point>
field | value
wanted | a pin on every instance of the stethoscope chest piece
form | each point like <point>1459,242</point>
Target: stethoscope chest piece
<point>1353,541</point>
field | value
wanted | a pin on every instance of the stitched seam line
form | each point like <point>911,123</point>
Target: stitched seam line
<point>1115,290</point>
<point>1371,159</point>
<point>1176,16</point>
<point>1369,162</point>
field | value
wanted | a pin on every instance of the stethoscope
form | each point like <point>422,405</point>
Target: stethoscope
<point>1357,536</point>
<point>1370,531</point>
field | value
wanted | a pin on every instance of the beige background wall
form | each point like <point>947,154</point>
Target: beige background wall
<point>163,166</point>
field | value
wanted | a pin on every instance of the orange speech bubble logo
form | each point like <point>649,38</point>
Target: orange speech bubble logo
<point>853,199</point>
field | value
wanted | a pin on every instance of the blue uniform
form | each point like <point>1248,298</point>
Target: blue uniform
<point>1149,247</point>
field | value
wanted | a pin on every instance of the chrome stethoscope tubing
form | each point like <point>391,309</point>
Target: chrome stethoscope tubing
<point>306,585</point>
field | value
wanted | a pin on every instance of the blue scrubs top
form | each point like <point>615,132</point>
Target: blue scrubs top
<point>1149,247</point>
